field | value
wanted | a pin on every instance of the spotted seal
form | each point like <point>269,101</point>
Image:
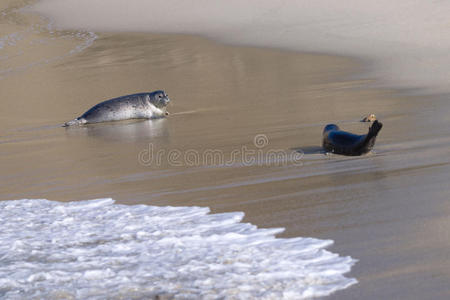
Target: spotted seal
<point>136,106</point>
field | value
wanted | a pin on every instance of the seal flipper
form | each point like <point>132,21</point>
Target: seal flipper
<point>374,129</point>
<point>369,141</point>
<point>77,121</point>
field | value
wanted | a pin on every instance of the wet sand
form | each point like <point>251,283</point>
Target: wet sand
<point>388,209</point>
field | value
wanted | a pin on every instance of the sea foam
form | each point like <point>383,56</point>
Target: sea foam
<point>96,249</point>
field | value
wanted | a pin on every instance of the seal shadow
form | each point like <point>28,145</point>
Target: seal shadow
<point>309,150</point>
<point>132,130</point>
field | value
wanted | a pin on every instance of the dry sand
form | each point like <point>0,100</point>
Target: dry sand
<point>388,209</point>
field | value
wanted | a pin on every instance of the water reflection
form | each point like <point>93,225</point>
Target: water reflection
<point>129,131</point>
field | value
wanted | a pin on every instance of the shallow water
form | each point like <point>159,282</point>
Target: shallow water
<point>30,40</point>
<point>406,42</point>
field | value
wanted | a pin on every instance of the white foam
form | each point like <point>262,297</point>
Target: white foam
<point>97,249</point>
<point>408,40</point>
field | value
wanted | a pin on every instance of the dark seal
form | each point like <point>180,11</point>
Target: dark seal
<point>346,143</point>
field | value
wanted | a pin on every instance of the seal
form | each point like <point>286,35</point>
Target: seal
<point>346,143</point>
<point>136,106</point>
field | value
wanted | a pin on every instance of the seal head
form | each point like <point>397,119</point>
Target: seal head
<point>159,99</point>
<point>330,127</point>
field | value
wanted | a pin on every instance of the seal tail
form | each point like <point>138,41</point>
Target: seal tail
<point>77,121</point>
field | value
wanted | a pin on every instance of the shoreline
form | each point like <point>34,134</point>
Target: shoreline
<point>404,53</point>
<point>363,65</point>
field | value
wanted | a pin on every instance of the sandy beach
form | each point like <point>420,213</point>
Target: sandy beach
<point>389,209</point>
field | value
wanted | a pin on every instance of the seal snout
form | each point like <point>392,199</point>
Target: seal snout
<point>165,99</point>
